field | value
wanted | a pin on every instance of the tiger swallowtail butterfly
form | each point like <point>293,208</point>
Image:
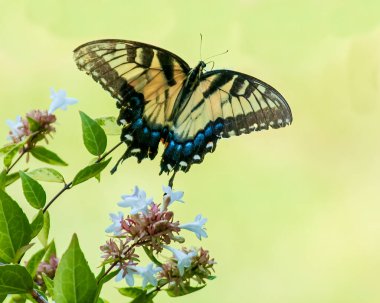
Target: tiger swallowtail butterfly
<point>161,98</point>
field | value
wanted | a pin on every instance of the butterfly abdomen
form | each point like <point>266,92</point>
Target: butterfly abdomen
<point>192,81</point>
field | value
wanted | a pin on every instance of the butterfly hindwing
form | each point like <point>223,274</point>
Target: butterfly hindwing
<point>241,102</point>
<point>225,103</point>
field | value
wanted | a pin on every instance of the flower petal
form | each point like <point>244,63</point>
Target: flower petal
<point>59,100</point>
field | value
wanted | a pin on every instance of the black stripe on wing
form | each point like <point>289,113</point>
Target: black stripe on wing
<point>247,104</point>
<point>145,79</point>
<point>114,63</point>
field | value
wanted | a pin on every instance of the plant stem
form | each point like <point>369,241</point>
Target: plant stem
<point>15,162</point>
<point>36,296</point>
<point>107,271</point>
<point>68,185</point>
<point>24,150</point>
<point>110,151</point>
<point>158,288</point>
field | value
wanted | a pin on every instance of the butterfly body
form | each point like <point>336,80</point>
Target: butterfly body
<point>162,99</point>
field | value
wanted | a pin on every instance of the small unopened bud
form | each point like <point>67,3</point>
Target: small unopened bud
<point>165,202</point>
<point>179,239</point>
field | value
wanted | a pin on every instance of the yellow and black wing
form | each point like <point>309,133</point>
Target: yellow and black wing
<point>241,103</point>
<point>223,104</point>
<point>128,68</point>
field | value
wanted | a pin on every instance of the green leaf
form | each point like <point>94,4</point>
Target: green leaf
<point>33,124</point>
<point>34,261</point>
<point>109,276</point>
<point>15,231</point>
<point>144,298</point>
<point>3,179</point>
<point>74,281</point>
<point>43,154</point>
<point>6,180</point>
<point>90,172</point>
<point>101,273</point>
<point>49,283</point>
<point>14,279</point>
<point>18,299</point>
<point>102,280</point>
<point>33,191</point>
<point>93,161</point>
<point>110,126</point>
<point>47,174</point>
<point>7,148</point>
<point>184,290</point>
<point>51,251</point>
<point>101,300</point>
<point>21,251</point>
<point>3,297</point>
<point>151,256</point>
<point>43,235</point>
<point>131,292</point>
<point>10,155</point>
<point>94,137</point>
<point>37,224</point>
<point>9,179</point>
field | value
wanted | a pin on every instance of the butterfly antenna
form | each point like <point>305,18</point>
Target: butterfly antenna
<point>200,47</point>
<point>213,63</point>
<point>225,52</point>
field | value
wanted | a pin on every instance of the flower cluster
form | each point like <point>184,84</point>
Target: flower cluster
<point>152,227</point>
<point>198,267</point>
<point>48,268</point>
<point>37,124</point>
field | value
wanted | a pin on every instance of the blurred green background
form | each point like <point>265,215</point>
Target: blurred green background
<point>294,213</point>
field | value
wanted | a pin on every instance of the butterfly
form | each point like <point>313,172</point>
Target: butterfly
<point>160,98</point>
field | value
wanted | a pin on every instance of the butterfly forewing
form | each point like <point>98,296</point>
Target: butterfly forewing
<point>126,67</point>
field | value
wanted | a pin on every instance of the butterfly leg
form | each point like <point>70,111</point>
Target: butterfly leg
<point>114,169</point>
<point>128,153</point>
<point>171,180</point>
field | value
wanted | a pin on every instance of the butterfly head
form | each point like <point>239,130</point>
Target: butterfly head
<point>199,68</point>
<point>194,77</point>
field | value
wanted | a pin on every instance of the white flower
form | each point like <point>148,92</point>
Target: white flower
<point>147,273</point>
<point>60,100</point>
<point>115,227</point>
<point>183,259</point>
<point>196,226</point>
<point>137,201</point>
<point>15,127</point>
<point>128,277</point>
<point>174,196</point>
